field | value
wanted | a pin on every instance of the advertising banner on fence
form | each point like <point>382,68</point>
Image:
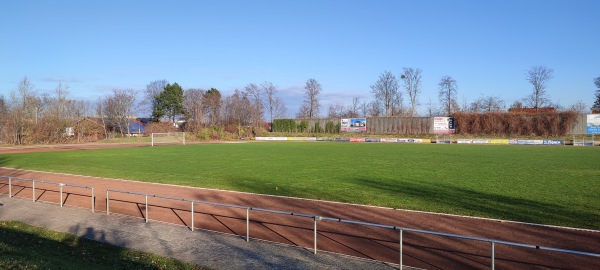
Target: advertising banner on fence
<point>593,124</point>
<point>443,125</point>
<point>353,125</point>
<point>482,141</point>
<point>271,138</point>
<point>538,142</point>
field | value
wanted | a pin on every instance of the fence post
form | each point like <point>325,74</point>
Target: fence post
<point>10,187</point>
<point>247,224</point>
<point>61,194</point>
<point>33,191</point>
<point>400,265</point>
<point>146,208</point>
<point>493,256</point>
<point>107,202</point>
<point>317,218</point>
<point>93,201</point>
<point>192,216</point>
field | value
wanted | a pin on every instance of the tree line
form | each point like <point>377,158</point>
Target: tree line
<point>29,117</point>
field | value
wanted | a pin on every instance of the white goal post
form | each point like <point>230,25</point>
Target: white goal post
<point>584,140</point>
<point>168,138</point>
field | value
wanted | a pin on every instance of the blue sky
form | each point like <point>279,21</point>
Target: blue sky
<point>487,46</point>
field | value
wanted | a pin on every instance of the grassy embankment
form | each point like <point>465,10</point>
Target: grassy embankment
<point>28,247</point>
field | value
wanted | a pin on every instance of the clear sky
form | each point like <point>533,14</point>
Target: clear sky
<point>487,46</point>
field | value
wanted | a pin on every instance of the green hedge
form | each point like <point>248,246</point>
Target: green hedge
<point>284,125</point>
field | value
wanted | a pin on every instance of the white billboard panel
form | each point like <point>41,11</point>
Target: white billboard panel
<point>593,124</point>
<point>443,125</point>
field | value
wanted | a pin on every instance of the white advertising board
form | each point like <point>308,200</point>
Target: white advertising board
<point>443,125</point>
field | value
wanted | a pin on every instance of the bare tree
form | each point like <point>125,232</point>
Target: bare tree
<point>25,111</point>
<point>280,110</point>
<point>311,105</point>
<point>212,105</point>
<point>192,103</point>
<point>431,109</point>
<point>101,116</point>
<point>487,104</point>
<point>398,104</point>
<point>337,111</point>
<point>375,108</point>
<point>254,94</point>
<point>364,108</point>
<point>386,92</point>
<point>447,94</point>
<point>235,110</point>
<point>59,113</point>
<point>152,92</point>
<point>355,107</point>
<point>516,105</point>
<point>4,121</point>
<point>271,98</point>
<point>579,107</point>
<point>538,76</point>
<point>117,108</point>
<point>412,85</point>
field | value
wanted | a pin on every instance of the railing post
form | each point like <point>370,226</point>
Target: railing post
<point>146,208</point>
<point>107,202</point>
<point>317,218</point>
<point>61,194</point>
<point>93,201</point>
<point>33,190</point>
<point>10,187</point>
<point>400,264</point>
<point>192,216</point>
<point>247,224</point>
<point>493,256</point>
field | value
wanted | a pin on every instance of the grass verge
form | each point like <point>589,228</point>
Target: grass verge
<point>28,247</point>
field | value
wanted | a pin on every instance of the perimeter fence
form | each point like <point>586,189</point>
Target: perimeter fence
<point>32,182</point>
<point>492,242</point>
<point>316,219</point>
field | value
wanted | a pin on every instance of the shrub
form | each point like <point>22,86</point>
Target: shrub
<point>284,125</point>
<point>330,127</point>
<point>317,128</point>
<point>159,127</point>
<point>515,124</point>
<point>303,126</point>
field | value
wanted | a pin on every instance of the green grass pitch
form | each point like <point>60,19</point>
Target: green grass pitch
<point>556,185</point>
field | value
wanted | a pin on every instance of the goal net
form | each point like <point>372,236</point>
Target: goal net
<point>443,139</point>
<point>168,138</point>
<point>584,140</point>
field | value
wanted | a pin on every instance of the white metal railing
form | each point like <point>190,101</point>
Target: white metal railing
<point>60,185</point>
<point>321,218</point>
<point>315,219</point>
<point>193,202</point>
